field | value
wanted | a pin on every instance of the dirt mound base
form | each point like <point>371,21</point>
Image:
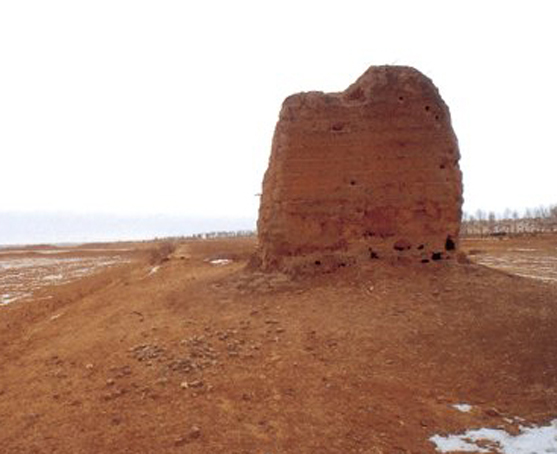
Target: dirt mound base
<point>205,358</point>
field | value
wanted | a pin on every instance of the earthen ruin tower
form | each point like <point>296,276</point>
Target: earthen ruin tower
<point>369,173</point>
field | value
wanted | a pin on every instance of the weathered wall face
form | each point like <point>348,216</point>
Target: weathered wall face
<point>369,173</point>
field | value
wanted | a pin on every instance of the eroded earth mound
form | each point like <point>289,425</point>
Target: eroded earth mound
<point>368,173</point>
<point>196,355</point>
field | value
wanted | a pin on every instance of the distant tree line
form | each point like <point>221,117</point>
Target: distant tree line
<point>207,235</point>
<point>532,220</point>
<point>222,234</point>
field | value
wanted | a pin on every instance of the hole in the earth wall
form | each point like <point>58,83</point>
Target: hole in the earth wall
<point>402,245</point>
<point>450,244</point>
<point>436,256</point>
<point>318,262</point>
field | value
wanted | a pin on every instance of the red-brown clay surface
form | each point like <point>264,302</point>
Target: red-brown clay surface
<point>203,358</point>
<point>368,173</point>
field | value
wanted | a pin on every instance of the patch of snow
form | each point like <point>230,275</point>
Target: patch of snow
<point>220,262</point>
<point>20,277</point>
<point>62,251</point>
<point>103,249</point>
<point>17,264</point>
<point>53,277</point>
<point>50,251</point>
<point>530,440</point>
<point>454,443</point>
<point>535,276</point>
<point>464,408</point>
<point>7,298</point>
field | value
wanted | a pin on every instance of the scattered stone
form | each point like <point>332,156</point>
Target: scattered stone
<point>222,336</point>
<point>192,384</point>
<point>180,441</point>
<point>195,432</point>
<point>493,412</point>
<point>184,365</point>
<point>145,352</point>
<point>121,371</point>
<point>114,394</point>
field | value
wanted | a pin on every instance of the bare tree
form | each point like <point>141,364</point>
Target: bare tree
<point>491,219</point>
<point>540,219</point>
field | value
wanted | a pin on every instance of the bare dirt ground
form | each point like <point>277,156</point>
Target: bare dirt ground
<point>189,356</point>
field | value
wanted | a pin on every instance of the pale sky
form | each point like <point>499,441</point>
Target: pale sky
<point>168,107</point>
